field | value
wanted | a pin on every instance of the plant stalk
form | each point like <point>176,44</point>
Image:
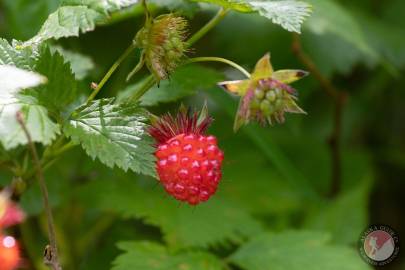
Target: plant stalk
<point>339,98</point>
<point>206,28</point>
<point>51,257</point>
<point>221,60</point>
<point>110,72</point>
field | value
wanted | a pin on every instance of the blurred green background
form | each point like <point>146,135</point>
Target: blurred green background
<point>275,179</point>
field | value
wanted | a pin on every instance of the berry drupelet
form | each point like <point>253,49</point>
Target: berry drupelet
<point>188,161</point>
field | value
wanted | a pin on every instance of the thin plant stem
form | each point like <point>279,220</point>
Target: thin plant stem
<point>137,67</point>
<point>221,60</point>
<point>49,159</point>
<point>206,28</point>
<point>51,259</point>
<point>147,14</point>
<point>150,80</point>
<point>147,84</point>
<point>110,72</point>
<point>339,98</point>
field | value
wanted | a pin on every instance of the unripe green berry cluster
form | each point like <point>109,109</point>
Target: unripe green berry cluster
<point>163,42</point>
<point>267,101</point>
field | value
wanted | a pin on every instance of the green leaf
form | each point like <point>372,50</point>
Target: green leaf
<point>331,17</point>
<point>15,55</point>
<point>77,16</point>
<point>345,216</point>
<point>293,250</point>
<point>240,6</point>
<point>151,256</point>
<point>182,83</point>
<point>113,133</point>
<point>214,222</point>
<point>81,64</point>
<point>290,14</point>
<point>62,88</point>
<point>35,117</point>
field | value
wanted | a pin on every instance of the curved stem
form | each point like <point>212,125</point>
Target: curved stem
<point>146,11</point>
<point>150,80</point>
<point>211,24</point>
<point>137,67</point>
<point>111,71</point>
<point>221,60</point>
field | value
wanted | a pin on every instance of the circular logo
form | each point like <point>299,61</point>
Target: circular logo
<point>379,245</point>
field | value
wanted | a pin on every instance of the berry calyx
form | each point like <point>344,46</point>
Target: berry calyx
<point>9,253</point>
<point>188,161</point>
<point>266,96</point>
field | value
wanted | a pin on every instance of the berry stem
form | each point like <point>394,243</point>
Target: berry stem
<point>150,80</point>
<point>218,59</point>
<point>211,24</point>
<point>137,67</point>
<point>339,98</point>
<point>147,84</point>
<point>53,261</point>
<point>145,8</point>
<point>110,72</point>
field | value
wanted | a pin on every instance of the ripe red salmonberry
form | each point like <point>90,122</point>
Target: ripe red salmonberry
<point>188,162</point>
<point>9,253</point>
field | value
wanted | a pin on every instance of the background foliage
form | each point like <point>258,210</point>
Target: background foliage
<point>274,208</point>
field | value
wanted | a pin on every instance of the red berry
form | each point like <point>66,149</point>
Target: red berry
<point>188,162</point>
<point>9,253</point>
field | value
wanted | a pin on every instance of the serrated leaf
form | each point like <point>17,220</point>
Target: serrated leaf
<point>62,88</point>
<point>80,64</point>
<point>296,250</point>
<point>113,133</point>
<point>77,16</point>
<point>182,83</point>
<point>214,222</point>
<point>152,256</point>
<point>39,125</point>
<point>12,54</point>
<point>290,14</point>
<point>13,79</point>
